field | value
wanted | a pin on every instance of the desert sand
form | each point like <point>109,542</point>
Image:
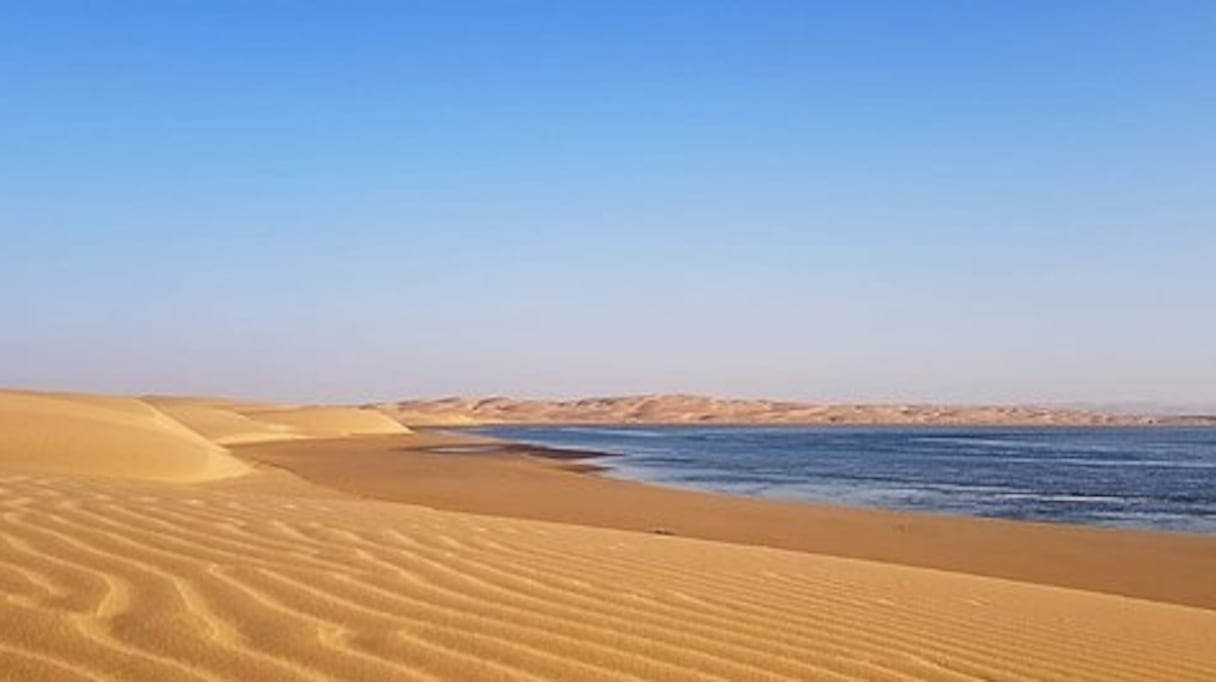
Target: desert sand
<point>138,540</point>
<point>695,409</point>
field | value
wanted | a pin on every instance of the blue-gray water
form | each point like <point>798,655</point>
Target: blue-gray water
<point>1157,478</point>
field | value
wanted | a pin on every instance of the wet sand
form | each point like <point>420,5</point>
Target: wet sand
<point>553,485</point>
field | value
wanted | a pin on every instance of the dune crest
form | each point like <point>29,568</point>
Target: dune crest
<point>233,422</point>
<point>332,422</point>
<point>224,426</point>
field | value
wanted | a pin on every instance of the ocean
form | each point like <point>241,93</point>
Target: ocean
<point>1154,478</point>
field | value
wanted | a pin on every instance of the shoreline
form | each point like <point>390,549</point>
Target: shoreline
<point>546,451</point>
<point>515,480</point>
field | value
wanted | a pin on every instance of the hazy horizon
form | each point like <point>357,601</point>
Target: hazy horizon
<point>957,203</point>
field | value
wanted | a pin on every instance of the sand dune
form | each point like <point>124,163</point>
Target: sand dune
<point>693,409</point>
<point>49,433</point>
<point>157,438</point>
<point>123,556</point>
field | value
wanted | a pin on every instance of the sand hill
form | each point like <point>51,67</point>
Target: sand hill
<point>156,438</point>
<point>692,409</point>
<point>102,436</point>
<point>135,545</point>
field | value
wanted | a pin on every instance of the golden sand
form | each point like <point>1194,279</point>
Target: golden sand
<point>138,566</point>
<point>103,436</point>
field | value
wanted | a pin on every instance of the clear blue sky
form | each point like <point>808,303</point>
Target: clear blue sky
<point>856,201</point>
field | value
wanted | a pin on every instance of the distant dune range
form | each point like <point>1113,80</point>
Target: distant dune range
<point>139,541</point>
<point>693,409</point>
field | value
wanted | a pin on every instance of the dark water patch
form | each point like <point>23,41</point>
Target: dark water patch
<point>1158,478</point>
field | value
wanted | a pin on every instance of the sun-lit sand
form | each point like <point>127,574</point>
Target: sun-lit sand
<point>103,436</point>
<point>138,542</point>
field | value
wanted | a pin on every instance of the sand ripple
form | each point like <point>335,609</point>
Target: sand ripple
<point>111,580</point>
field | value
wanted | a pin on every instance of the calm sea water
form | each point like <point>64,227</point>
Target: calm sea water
<point>1158,478</point>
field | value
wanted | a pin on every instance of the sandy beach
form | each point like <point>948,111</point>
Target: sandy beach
<point>155,539</point>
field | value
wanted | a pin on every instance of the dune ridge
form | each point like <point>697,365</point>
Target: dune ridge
<point>328,422</point>
<point>696,409</point>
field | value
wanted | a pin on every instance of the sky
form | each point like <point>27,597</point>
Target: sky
<point>948,201</point>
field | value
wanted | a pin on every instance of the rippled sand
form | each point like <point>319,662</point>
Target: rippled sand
<point>264,577</point>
